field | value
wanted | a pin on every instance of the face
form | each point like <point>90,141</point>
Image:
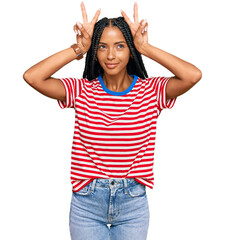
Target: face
<point>113,52</point>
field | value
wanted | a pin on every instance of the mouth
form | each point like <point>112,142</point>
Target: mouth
<point>111,65</point>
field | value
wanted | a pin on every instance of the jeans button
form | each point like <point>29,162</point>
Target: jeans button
<point>112,183</point>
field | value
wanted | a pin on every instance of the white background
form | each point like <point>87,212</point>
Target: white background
<point>36,135</point>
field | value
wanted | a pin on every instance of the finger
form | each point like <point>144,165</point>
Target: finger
<point>76,30</point>
<point>84,13</point>
<point>136,12</point>
<point>95,18</point>
<point>126,18</point>
<point>142,27</point>
<point>82,30</point>
<point>145,28</point>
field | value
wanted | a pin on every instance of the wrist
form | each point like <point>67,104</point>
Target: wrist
<point>79,50</point>
<point>83,49</point>
<point>143,48</point>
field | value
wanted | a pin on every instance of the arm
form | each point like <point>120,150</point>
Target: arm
<point>39,75</point>
<point>186,74</point>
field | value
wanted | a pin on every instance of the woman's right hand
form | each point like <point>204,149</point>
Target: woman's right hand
<point>84,31</point>
<point>39,75</point>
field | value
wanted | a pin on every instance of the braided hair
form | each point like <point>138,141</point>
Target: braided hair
<point>92,67</point>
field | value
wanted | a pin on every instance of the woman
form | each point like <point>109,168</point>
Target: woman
<point>116,106</point>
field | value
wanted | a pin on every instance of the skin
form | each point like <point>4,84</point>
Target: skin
<point>186,74</point>
<point>116,79</point>
<point>39,76</point>
<point>110,51</point>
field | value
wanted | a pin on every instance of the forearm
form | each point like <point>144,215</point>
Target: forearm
<point>47,67</point>
<point>179,67</point>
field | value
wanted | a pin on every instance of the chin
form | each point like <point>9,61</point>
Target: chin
<point>114,71</point>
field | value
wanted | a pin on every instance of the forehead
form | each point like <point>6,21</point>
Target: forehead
<point>112,34</point>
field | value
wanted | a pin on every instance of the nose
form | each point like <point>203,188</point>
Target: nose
<point>111,53</point>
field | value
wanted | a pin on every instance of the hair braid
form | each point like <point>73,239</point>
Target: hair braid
<point>92,67</point>
<point>137,62</point>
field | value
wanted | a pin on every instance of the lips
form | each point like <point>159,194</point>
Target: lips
<point>111,65</point>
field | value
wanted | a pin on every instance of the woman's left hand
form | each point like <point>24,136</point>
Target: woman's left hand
<point>138,30</point>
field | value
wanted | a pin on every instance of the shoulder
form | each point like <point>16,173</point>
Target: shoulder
<point>149,81</point>
<point>84,81</point>
<point>156,81</point>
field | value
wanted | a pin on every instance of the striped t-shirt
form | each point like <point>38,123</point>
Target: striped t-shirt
<point>114,132</point>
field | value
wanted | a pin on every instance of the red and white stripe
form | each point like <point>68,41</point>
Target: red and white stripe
<point>114,136</point>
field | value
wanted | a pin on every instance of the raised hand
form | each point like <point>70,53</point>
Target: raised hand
<point>138,29</point>
<point>84,31</point>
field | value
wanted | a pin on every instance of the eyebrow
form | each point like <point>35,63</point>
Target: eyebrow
<point>114,43</point>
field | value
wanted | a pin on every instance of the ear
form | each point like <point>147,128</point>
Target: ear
<point>131,56</point>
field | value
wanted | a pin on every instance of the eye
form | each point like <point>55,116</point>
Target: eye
<point>100,46</point>
<point>120,46</point>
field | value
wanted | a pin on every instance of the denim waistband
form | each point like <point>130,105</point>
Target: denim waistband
<point>113,182</point>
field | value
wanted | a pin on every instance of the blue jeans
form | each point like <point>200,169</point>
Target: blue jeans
<point>110,209</point>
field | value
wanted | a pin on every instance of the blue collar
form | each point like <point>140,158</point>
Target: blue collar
<point>135,77</point>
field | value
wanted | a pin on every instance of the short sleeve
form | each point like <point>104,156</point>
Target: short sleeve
<point>160,84</point>
<point>73,88</point>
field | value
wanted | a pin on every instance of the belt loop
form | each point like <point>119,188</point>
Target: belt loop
<point>125,185</point>
<point>93,185</point>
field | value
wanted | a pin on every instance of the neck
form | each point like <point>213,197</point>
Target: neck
<point>117,83</point>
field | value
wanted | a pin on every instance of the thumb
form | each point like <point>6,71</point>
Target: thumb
<point>142,26</point>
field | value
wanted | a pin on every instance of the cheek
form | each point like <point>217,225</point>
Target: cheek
<point>100,56</point>
<point>125,55</point>
<point>124,58</point>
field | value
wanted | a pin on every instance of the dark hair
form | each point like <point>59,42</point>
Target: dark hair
<point>92,67</point>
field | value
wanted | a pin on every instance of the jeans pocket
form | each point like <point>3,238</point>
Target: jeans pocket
<point>83,191</point>
<point>138,190</point>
